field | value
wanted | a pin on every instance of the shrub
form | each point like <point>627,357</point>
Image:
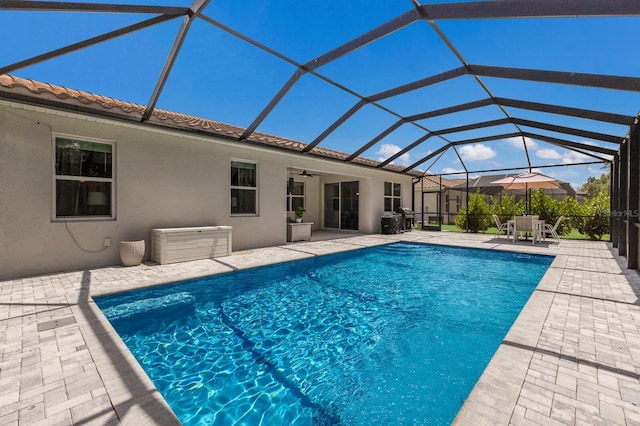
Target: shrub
<point>544,206</point>
<point>591,218</point>
<point>549,210</point>
<point>507,207</point>
<point>573,215</point>
<point>595,214</point>
<point>479,216</point>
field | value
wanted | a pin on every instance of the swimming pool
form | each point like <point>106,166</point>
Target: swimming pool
<point>396,334</point>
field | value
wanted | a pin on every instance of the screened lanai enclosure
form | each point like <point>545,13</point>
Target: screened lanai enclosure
<point>436,89</point>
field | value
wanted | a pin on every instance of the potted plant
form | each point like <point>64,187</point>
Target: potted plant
<point>299,212</point>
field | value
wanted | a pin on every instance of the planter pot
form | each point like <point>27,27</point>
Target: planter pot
<point>298,220</point>
<point>131,252</point>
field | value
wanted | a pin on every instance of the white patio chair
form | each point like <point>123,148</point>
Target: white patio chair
<point>524,224</point>
<point>547,229</point>
<point>501,226</point>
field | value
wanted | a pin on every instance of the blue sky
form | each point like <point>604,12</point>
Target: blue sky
<point>221,77</point>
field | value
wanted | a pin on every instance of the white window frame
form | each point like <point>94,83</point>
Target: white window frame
<point>55,178</point>
<point>290,197</point>
<point>247,188</point>
<point>392,197</point>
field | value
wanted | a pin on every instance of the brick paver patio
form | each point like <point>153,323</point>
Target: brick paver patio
<point>571,358</point>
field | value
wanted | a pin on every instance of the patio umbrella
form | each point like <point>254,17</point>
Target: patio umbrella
<point>526,181</point>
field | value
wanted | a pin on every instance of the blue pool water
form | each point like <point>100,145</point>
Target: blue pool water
<point>397,334</point>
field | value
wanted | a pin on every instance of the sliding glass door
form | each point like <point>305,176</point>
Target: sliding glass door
<point>332,205</point>
<point>341,205</point>
<point>349,206</point>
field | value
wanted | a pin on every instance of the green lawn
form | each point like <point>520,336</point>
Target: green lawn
<point>573,235</point>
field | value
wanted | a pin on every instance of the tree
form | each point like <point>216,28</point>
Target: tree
<point>479,214</point>
<point>594,186</point>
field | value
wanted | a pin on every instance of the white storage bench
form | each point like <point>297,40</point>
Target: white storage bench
<point>299,231</point>
<point>172,245</point>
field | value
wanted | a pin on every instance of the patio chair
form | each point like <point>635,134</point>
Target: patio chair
<point>501,226</point>
<point>552,230</point>
<point>523,224</point>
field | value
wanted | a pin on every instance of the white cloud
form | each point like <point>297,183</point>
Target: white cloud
<point>517,143</point>
<point>452,170</point>
<point>566,156</point>
<point>566,174</point>
<point>548,153</point>
<point>570,157</point>
<point>477,152</point>
<point>387,150</point>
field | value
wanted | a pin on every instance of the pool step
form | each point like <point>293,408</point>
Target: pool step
<point>156,308</point>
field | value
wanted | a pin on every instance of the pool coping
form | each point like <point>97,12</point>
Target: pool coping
<point>101,382</point>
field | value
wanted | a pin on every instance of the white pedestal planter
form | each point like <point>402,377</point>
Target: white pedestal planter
<point>132,252</point>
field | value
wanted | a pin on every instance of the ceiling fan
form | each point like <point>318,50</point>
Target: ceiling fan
<point>306,174</point>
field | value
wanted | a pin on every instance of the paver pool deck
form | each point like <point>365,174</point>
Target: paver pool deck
<point>571,358</point>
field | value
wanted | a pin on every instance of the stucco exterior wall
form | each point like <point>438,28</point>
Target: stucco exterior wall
<point>162,179</point>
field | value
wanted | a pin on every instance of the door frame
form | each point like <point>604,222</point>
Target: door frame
<point>340,200</point>
<point>426,224</point>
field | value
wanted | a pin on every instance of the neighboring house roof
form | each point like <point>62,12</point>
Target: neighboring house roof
<point>567,187</point>
<point>457,181</point>
<point>35,92</point>
<point>486,185</point>
<point>431,181</point>
<point>483,181</point>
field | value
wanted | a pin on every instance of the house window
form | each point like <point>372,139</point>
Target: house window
<point>458,201</point>
<point>446,203</point>
<point>83,178</point>
<point>295,196</point>
<point>392,196</point>
<point>244,188</point>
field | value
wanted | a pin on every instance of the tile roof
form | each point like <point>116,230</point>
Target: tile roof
<point>430,181</point>
<point>70,99</point>
<point>485,183</point>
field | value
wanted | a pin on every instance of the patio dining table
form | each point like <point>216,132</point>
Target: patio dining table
<point>535,229</point>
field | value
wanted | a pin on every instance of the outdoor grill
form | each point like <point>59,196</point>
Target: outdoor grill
<point>391,224</point>
<point>407,218</point>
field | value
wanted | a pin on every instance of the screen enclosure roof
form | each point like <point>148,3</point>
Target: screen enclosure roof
<point>434,87</point>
